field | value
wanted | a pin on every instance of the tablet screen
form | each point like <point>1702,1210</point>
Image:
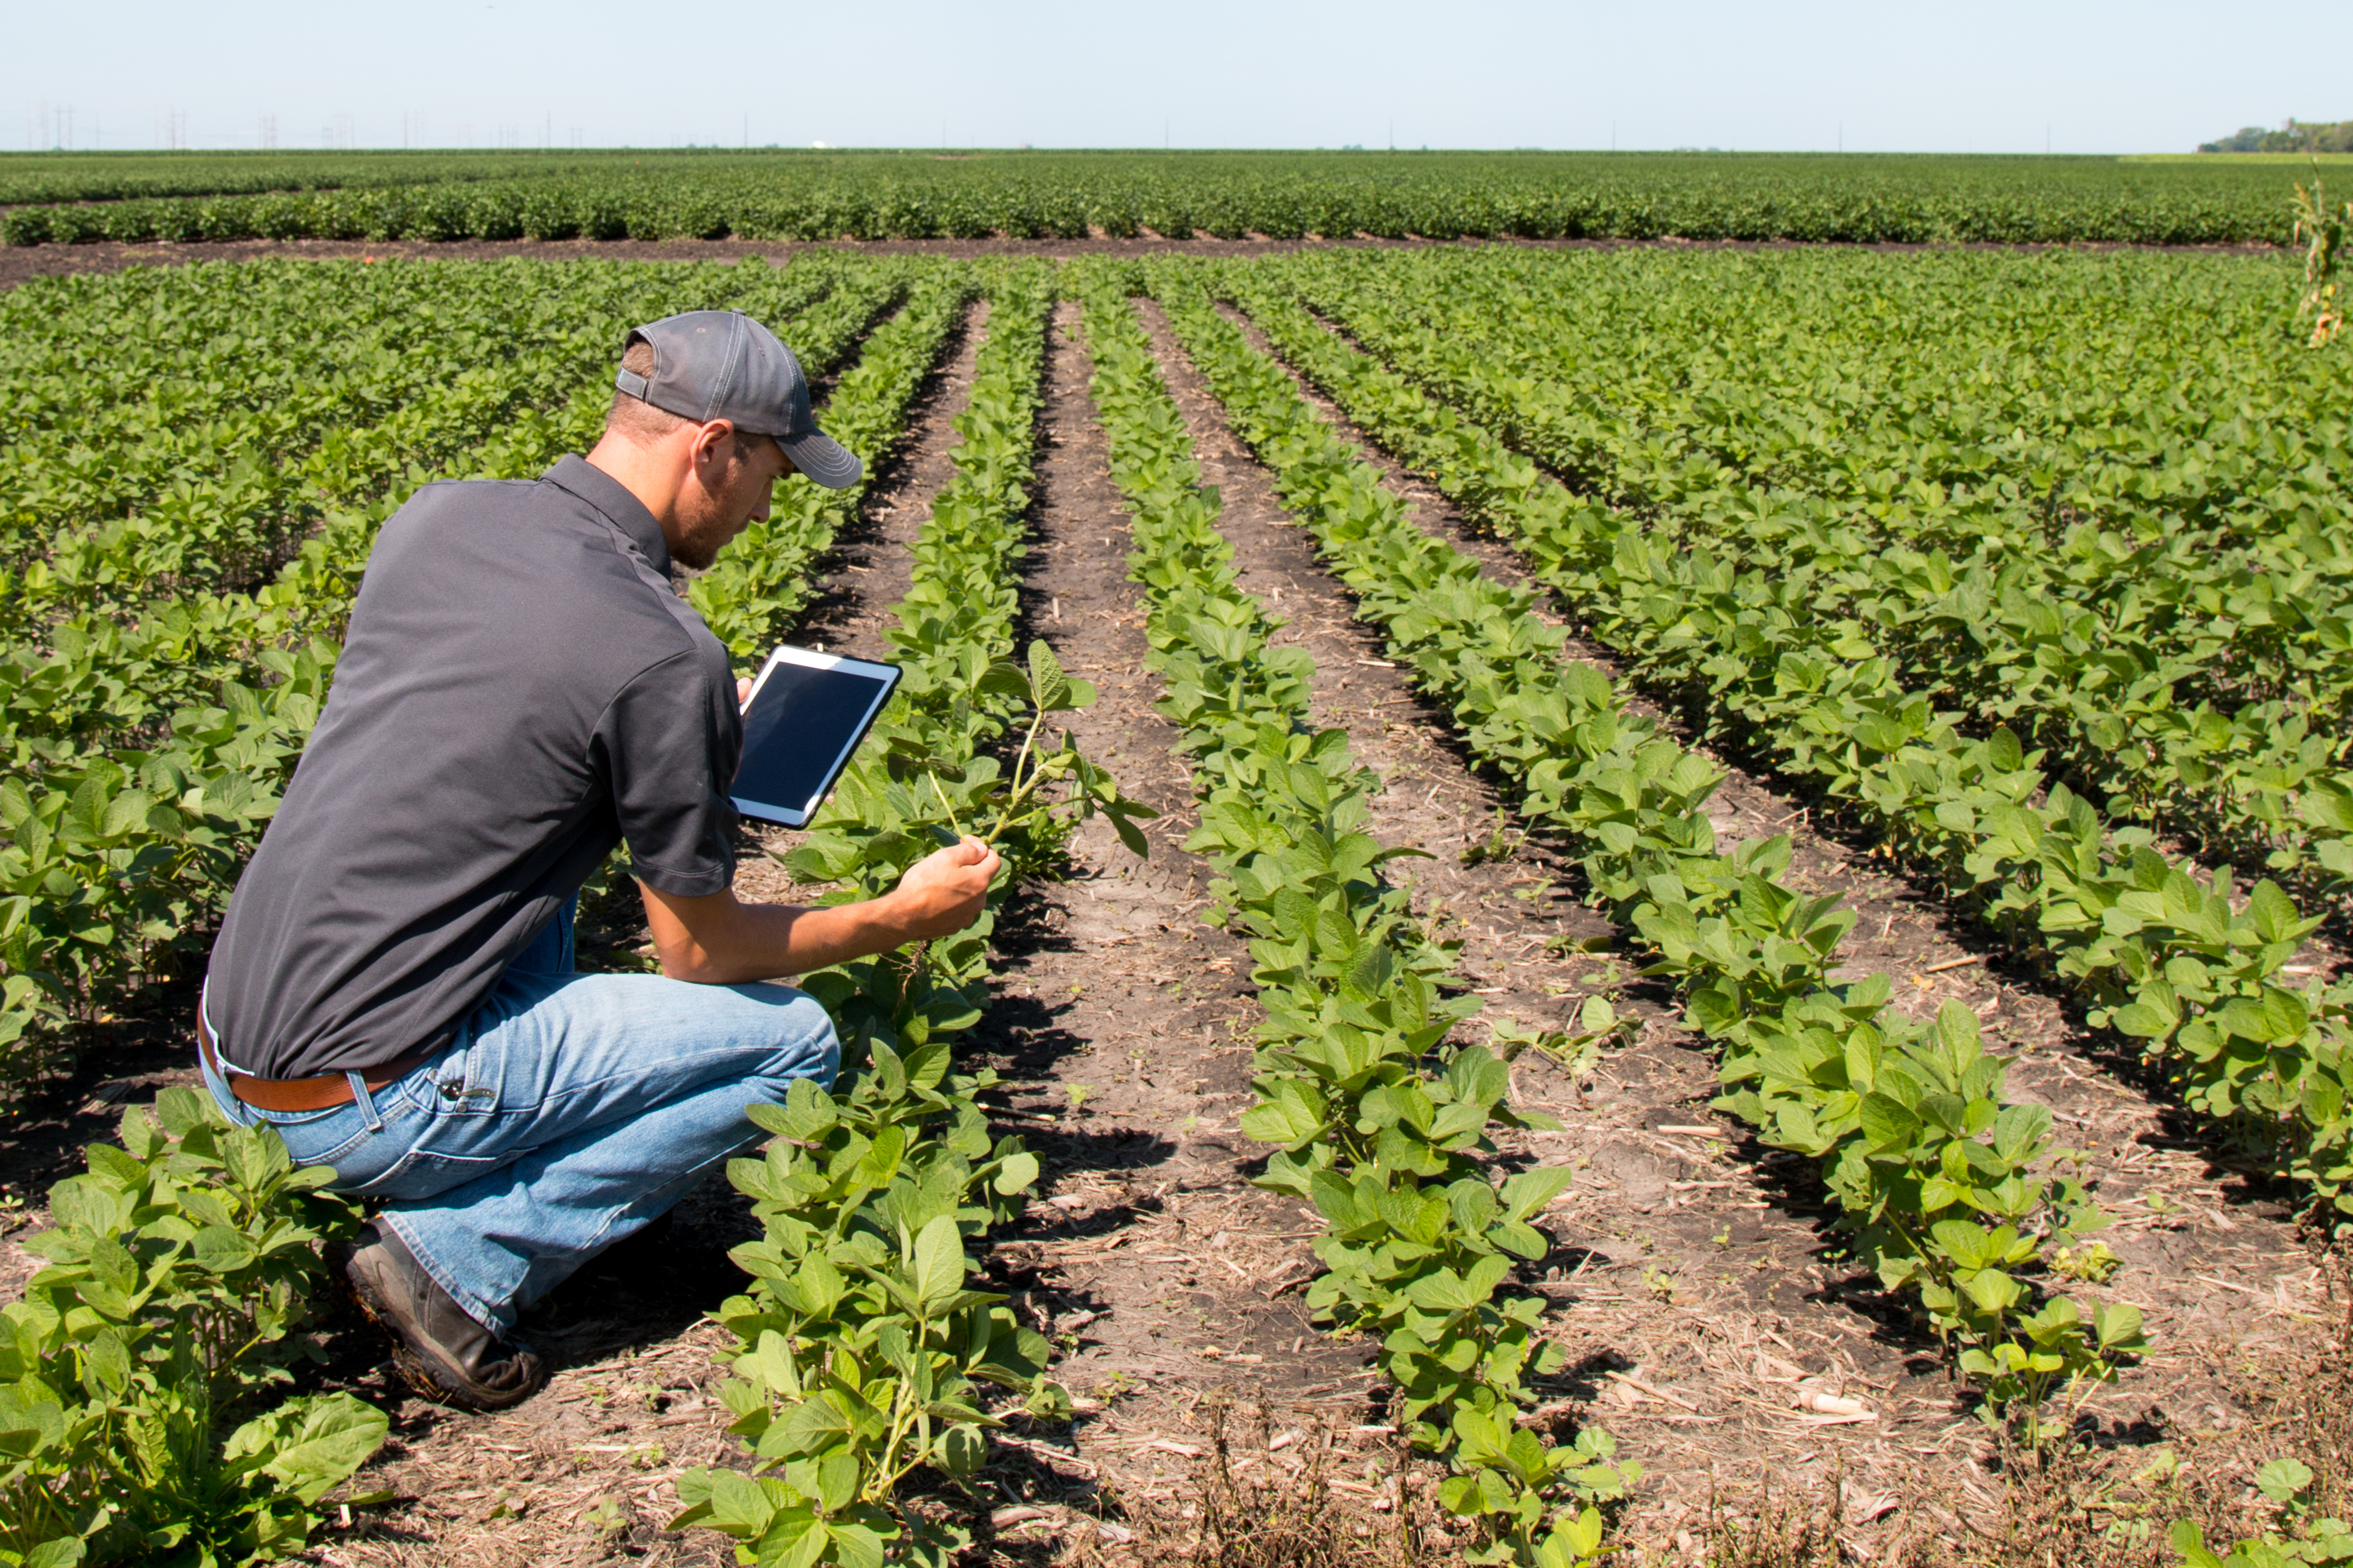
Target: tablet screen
<point>802,721</point>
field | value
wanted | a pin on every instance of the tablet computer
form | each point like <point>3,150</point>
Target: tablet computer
<point>805,715</point>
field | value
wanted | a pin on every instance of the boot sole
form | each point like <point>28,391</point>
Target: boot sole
<point>422,1375</point>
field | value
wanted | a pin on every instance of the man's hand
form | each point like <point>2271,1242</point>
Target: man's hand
<point>719,940</point>
<point>943,892</point>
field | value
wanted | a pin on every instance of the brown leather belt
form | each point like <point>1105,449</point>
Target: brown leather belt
<point>283,1094</point>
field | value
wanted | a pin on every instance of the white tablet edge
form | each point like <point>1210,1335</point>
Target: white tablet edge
<point>886,676</point>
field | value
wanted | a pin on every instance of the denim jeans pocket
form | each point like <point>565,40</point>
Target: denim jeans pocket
<point>331,1138</point>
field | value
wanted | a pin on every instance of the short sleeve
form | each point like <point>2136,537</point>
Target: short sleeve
<point>668,745</point>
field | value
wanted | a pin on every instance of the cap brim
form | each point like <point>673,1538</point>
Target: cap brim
<point>824,459</point>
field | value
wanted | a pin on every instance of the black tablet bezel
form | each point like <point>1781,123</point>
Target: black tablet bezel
<point>886,674</point>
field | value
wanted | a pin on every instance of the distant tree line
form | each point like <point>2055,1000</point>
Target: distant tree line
<point>2294,136</point>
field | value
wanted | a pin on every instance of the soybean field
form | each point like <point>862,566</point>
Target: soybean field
<point>1668,906</point>
<point>825,195</point>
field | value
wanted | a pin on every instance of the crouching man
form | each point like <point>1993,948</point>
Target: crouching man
<point>519,692</point>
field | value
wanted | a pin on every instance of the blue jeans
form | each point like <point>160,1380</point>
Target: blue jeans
<point>570,1111</point>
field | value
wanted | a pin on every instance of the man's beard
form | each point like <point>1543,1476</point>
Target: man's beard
<point>699,548</point>
<point>701,539</point>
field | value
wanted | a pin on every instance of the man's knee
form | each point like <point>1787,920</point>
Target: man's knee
<point>805,1045</point>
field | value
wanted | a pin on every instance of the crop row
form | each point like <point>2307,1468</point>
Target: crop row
<point>2159,955</point>
<point>860,1348</point>
<point>64,176</point>
<point>1231,196</point>
<point>1379,1124</point>
<point>1933,1169</point>
<point>151,753</point>
<point>2178,648</point>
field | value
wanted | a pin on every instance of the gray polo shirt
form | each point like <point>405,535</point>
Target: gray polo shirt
<point>519,692</point>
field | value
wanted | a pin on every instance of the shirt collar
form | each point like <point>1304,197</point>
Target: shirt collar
<point>610,497</point>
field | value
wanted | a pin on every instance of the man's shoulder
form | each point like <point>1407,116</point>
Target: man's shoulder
<point>531,558</point>
<point>442,495</point>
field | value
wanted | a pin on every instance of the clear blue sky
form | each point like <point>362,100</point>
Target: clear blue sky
<point>1989,76</point>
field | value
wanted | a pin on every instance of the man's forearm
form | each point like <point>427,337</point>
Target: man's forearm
<point>717,940</point>
<point>771,942</point>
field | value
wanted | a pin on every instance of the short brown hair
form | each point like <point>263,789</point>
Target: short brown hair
<point>640,421</point>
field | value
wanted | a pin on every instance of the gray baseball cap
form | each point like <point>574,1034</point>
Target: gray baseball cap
<point>722,365</point>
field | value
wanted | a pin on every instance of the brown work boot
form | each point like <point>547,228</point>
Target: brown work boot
<point>441,1351</point>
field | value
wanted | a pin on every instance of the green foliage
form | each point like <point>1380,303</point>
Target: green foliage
<point>966,745</point>
<point>2309,1539</point>
<point>1373,1119</point>
<point>1897,502</point>
<point>176,1270</point>
<point>2181,965</point>
<point>862,1343</point>
<point>806,195</point>
<point>2296,136</point>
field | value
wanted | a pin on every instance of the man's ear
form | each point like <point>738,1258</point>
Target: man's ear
<point>711,442</point>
